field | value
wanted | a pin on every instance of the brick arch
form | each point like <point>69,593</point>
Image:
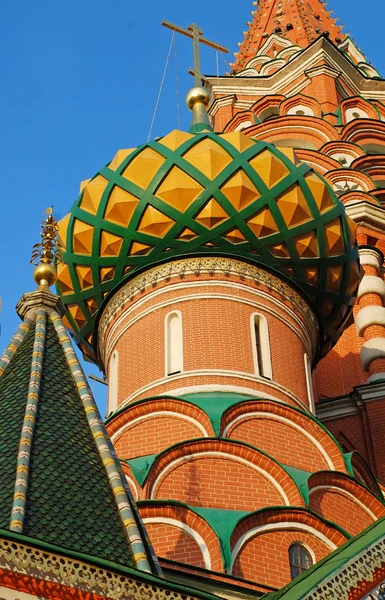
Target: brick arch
<point>372,165</point>
<point>358,196</point>
<point>360,103</point>
<point>238,119</point>
<point>363,472</point>
<point>359,178</point>
<point>311,129</point>
<point>364,132</point>
<point>268,534</point>
<point>179,534</point>
<point>272,101</point>
<point>293,101</point>
<point>341,499</point>
<point>344,147</point>
<point>279,430</point>
<point>319,162</point>
<point>151,426</point>
<point>134,488</point>
<point>221,474</point>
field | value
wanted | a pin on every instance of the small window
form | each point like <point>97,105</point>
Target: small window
<point>261,346</point>
<point>309,383</point>
<point>300,560</point>
<point>113,382</point>
<point>174,343</point>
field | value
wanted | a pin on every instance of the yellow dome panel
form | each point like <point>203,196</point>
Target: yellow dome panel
<point>119,157</point>
<point>106,273</point>
<point>175,138</point>
<point>92,305</point>
<point>262,223</point>
<point>319,191</point>
<point>239,140</point>
<point>240,190</point>
<point>208,157</point>
<point>121,206</point>
<point>293,206</point>
<point>235,236</point>
<point>179,189</point>
<point>62,230</point>
<point>334,240</point>
<point>92,194</point>
<point>187,235</point>
<point>312,275</point>
<point>138,249</point>
<point>83,234</point>
<point>211,215</point>
<point>270,169</point>
<point>334,278</point>
<point>77,314</point>
<point>84,274</point>
<point>110,244</point>
<point>64,279</point>
<point>306,245</point>
<point>279,250</point>
<point>142,169</point>
<point>154,222</point>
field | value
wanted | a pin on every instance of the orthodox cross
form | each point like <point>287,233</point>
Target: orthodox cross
<point>195,33</point>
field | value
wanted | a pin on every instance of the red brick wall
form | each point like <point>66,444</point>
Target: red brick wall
<point>265,557</point>
<point>336,506</point>
<point>175,544</point>
<point>219,483</point>
<point>282,441</point>
<point>154,434</point>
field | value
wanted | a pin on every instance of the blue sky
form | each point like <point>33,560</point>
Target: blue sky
<point>80,80</point>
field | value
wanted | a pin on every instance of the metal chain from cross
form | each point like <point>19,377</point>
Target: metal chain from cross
<point>195,33</point>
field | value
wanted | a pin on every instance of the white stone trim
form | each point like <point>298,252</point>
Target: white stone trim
<point>309,382</point>
<point>371,350</point>
<point>219,454</point>
<point>368,214</point>
<point>264,345</point>
<point>159,413</point>
<point>132,486</point>
<point>370,257</point>
<point>369,315</point>
<point>376,377</point>
<point>214,387</point>
<point>342,491</point>
<point>284,526</point>
<point>113,381</point>
<point>274,417</point>
<point>173,345</point>
<point>371,284</point>
<point>191,532</point>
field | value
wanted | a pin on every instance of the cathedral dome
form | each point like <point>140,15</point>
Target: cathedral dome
<point>200,194</point>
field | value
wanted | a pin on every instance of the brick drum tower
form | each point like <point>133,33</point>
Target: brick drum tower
<point>229,283</point>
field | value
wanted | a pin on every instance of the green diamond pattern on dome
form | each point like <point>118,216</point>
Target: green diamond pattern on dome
<point>207,194</point>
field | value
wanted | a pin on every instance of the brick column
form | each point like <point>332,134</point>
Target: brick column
<point>370,320</point>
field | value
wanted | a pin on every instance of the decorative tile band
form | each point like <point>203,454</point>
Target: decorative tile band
<point>117,481</point>
<point>26,439</point>
<point>14,344</point>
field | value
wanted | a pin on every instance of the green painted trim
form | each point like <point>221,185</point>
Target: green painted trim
<point>301,479</point>
<point>324,570</point>
<point>105,564</point>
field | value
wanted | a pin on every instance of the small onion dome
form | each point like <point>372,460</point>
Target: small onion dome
<point>203,194</point>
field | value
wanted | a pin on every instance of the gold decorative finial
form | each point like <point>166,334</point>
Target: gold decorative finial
<point>46,253</point>
<point>198,100</point>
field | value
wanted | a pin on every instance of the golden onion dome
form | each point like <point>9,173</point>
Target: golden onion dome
<point>207,194</point>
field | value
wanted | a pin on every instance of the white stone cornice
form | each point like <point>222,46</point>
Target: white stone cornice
<point>371,284</point>
<point>370,257</point>
<point>365,213</point>
<point>368,316</point>
<point>372,350</point>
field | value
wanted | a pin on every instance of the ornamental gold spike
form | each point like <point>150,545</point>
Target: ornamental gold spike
<point>46,254</point>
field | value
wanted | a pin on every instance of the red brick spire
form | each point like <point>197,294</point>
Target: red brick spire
<point>300,21</point>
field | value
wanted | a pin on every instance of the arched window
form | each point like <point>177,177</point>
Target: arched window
<point>309,383</point>
<point>300,559</point>
<point>174,343</point>
<point>113,382</point>
<point>261,346</point>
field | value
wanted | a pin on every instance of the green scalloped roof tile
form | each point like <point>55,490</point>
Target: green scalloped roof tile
<point>301,479</point>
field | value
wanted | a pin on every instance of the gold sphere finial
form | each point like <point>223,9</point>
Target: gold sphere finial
<point>46,253</point>
<point>45,275</point>
<point>197,95</point>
